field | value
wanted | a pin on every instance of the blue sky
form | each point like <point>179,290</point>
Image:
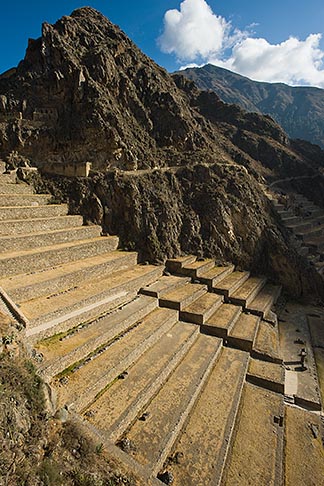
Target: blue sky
<point>269,41</point>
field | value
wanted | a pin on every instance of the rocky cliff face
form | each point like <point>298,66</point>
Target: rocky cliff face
<point>299,110</point>
<point>209,210</point>
<point>85,92</point>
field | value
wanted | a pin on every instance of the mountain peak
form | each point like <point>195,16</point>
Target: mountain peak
<point>86,92</point>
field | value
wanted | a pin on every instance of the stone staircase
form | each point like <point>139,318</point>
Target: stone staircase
<point>306,222</point>
<point>179,374</point>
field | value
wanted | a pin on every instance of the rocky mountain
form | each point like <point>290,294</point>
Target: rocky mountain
<point>175,169</point>
<point>299,110</point>
<point>85,92</point>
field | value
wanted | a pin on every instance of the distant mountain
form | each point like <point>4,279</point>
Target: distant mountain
<point>299,110</point>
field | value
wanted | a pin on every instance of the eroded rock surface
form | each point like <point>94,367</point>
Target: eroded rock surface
<point>209,210</point>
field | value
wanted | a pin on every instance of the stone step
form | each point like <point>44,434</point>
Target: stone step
<point>163,285</point>
<point>174,265</point>
<point>63,311</point>
<point>232,282</point>
<point>37,240</point>
<point>279,206</point>
<point>67,276</point>
<point>24,200</point>
<point>10,178</point>
<point>19,188</point>
<point>195,269</point>
<point>27,261</point>
<point>291,220</point>
<point>306,224</point>
<point>181,297</point>
<point>61,351</point>
<point>248,291</point>
<point>119,406</point>
<point>289,213</point>
<point>311,232</point>
<point>26,212</point>
<point>201,309</point>
<point>92,377</point>
<point>27,225</point>
<point>266,345</point>
<point>215,274</point>
<point>256,451</point>
<point>270,376</point>
<point>264,301</point>
<point>222,321</point>
<point>315,243</point>
<point>204,441</point>
<point>167,412</point>
<point>242,335</point>
<point>304,434</point>
<point>285,212</point>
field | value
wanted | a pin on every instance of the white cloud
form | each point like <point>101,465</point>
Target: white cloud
<point>197,35</point>
<point>193,31</point>
<point>293,61</point>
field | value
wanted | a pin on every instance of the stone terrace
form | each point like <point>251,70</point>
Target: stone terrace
<point>306,222</point>
<point>177,370</point>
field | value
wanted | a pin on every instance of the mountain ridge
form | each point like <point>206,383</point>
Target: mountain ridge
<point>298,109</point>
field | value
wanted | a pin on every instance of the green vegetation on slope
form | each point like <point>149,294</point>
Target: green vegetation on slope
<point>36,449</point>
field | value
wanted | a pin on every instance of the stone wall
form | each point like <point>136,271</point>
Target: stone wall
<point>68,169</point>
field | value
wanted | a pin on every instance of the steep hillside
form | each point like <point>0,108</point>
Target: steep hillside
<point>299,110</point>
<point>175,169</point>
<point>85,92</point>
<point>210,210</point>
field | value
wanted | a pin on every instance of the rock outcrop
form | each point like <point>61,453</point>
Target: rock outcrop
<point>216,211</point>
<point>85,92</point>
